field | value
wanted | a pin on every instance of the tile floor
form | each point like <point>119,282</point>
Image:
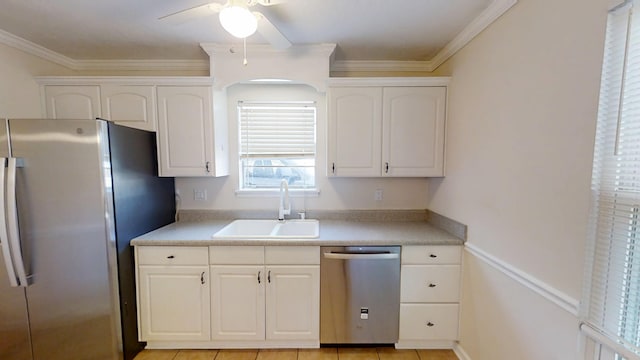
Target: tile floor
<point>383,353</point>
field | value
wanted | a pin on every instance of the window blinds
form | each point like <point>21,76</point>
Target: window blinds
<point>612,297</point>
<point>282,129</point>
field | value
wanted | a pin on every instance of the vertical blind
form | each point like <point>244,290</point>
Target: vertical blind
<point>612,296</point>
<point>277,129</point>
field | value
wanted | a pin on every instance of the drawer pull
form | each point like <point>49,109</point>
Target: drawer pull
<point>170,257</point>
<point>432,285</point>
<point>430,324</point>
<point>433,256</point>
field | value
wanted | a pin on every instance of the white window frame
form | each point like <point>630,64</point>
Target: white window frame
<point>264,151</point>
<point>616,196</point>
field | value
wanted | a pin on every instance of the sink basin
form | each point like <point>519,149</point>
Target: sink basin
<point>269,229</point>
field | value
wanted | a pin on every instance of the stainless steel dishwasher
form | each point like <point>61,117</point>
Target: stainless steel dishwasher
<point>359,294</point>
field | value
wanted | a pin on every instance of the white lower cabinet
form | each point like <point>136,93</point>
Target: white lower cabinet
<point>293,302</point>
<point>269,296</point>
<point>429,296</point>
<point>237,302</point>
<point>434,322</point>
<point>173,293</point>
<point>265,295</point>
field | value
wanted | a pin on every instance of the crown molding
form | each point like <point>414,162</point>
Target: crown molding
<point>126,80</point>
<point>481,22</point>
<point>142,65</point>
<point>389,81</point>
<point>381,65</point>
<point>29,47</point>
<point>218,49</point>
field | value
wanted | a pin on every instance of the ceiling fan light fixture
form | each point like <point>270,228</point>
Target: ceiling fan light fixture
<point>238,20</point>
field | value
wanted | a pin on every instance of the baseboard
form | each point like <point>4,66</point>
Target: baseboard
<point>425,344</point>
<point>460,353</point>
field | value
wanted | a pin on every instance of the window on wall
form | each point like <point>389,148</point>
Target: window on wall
<point>277,143</point>
<point>612,296</point>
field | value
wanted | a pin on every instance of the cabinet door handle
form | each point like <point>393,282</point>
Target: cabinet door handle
<point>269,277</point>
<point>202,278</point>
<point>333,168</point>
<point>430,324</point>
<point>386,168</point>
<point>431,285</point>
<point>258,277</point>
<point>207,166</point>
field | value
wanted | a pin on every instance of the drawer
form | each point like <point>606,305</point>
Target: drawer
<point>428,322</point>
<point>172,255</point>
<point>236,255</point>
<point>430,283</point>
<point>418,254</point>
<point>292,255</point>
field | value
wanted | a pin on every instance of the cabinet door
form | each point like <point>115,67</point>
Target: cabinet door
<point>129,105</point>
<point>185,130</point>
<point>293,302</point>
<point>237,294</point>
<point>413,131</point>
<point>355,118</point>
<point>72,102</point>
<point>174,303</point>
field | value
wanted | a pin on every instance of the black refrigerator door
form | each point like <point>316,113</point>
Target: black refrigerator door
<point>142,202</point>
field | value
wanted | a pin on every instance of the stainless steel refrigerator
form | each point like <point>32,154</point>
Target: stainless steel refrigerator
<point>73,193</point>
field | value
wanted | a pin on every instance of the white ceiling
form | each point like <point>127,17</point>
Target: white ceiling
<point>391,30</point>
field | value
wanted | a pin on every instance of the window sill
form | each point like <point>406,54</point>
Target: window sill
<point>294,193</point>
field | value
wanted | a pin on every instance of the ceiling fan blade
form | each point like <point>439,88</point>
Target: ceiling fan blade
<point>271,33</point>
<point>183,16</point>
<point>270,2</point>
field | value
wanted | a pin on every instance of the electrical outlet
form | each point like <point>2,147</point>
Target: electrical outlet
<point>377,195</point>
<point>200,194</point>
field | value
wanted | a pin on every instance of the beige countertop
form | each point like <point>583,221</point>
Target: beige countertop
<point>332,232</point>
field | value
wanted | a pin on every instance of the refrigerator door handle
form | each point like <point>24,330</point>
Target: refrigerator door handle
<point>4,235</point>
<point>12,223</point>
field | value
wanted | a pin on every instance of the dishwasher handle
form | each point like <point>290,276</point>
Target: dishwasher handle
<point>346,255</point>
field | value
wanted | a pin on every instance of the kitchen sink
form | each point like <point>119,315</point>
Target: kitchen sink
<point>269,229</point>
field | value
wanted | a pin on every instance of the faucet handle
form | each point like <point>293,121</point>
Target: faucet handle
<point>303,215</point>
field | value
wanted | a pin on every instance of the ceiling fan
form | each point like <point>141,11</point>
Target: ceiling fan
<point>237,19</point>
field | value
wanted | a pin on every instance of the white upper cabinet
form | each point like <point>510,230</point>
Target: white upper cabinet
<point>386,127</point>
<point>189,143</point>
<point>188,115</point>
<point>355,125</point>
<point>72,102</point>
<point>413,131</point>
<point>129,105</point>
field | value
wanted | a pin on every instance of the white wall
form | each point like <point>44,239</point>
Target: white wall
<point>335,193</point>
<point>19,92</point>
<point>522,111</point>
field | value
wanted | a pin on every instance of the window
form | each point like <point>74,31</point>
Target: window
<point>277,142</point>
<point>612,296</point>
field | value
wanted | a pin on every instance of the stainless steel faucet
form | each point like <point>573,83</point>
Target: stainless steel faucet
<point>284,193</point>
